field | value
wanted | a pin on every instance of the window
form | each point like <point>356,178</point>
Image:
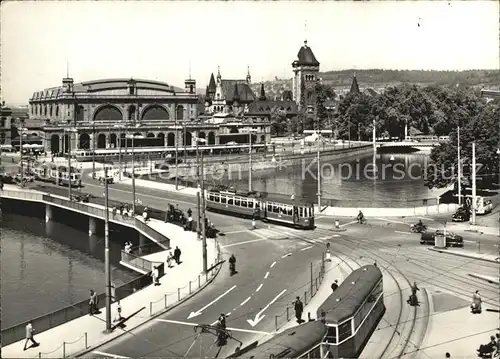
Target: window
<point>244,203</point>
<point>211,197</point>
<point>301,212</point>
<point>276,209</point>
<point>289,211</point>
<point>257,204</point>
<point>269,207</point>
<point>237,202</point>
<point>217,198</point>
<point>331,335</point>
<point>230,201</point>
<point>345,330</point>
<point>223,199</point>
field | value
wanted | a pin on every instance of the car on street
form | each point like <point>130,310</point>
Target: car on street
<point>486,208</point>
<point>109,178</point>
<point>452,239</point>
<point>461,215</point>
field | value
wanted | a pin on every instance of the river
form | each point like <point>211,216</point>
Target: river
<point>46,267</point>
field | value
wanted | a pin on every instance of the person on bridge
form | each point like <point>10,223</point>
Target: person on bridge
<point>29,336</point>
<point>299,309</point>
<point>335,285</point>
<point>93,302</point>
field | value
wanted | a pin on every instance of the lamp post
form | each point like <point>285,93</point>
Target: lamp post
<point>21,129</point>
<point>176,156</point>
<point>473,219</point>
<point>133,137</point>
<point>93,149</point>
<point>106,252</point>
<point>69,130</point>
<point>250,131</point>
<point>319,173</point>
<point>459,168</point>
<point>119,151</point>
<point>202,197</point>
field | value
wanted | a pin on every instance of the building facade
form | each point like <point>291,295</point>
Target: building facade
<point>96,114</point>
<point>306,70</point>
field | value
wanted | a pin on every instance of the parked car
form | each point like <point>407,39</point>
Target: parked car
<point>452,239</point>
<point>461,215</point>
<point>109,178</point>
<point>486,208</point>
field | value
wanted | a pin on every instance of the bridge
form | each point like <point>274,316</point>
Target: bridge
<point>93,211</point>
<point>426,146</point>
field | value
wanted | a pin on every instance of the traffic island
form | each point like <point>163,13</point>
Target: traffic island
<point>463,253</point>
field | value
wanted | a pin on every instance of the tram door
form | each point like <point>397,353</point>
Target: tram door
<point>295,215</point>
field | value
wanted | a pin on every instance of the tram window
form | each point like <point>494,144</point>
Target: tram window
<point>230,201</point>
<point>217,198</point>
<point>257,205</point>
<point>301,212</point>
<point>289,211</point>
<point>269,208</point>
<point>237,202</point>
<point>345,330</point>
<point>223,199</point>
<point>211,197</point>
<point>331,335</point>
<point>306,212</point>
<point>276,209</point>
<point>243,203</point>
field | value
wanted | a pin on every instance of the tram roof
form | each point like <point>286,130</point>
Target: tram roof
<point>349,297</point>
<point>289,343</point>
<point>264,196</point>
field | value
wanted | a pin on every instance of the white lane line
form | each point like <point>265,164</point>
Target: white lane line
<point>259,287</point>
<point>402,232</point>
<point>234,232</point>
<point>272,265</point>
<point>110,355</point>
<point>466,241</point>
<point>427,219</point>
<point>306,248</point>
<point>336,235</point>
<point>391,220</point>
<point>245,301</point>
<point>195,324</point>
<point>348,223</point>
<point>244,242</point>
<point>267,275</point>
<point>286,255</point>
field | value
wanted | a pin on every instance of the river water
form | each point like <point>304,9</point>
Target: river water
<point>46,267</point>
<point>399,180</point>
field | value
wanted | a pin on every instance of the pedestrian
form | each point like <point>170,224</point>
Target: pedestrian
<point>170,257</point>
<point>177,255</point>
<point>476,303</point>
<point>156,276</point>
<point>328,253</point>
<point>413,297</point>
<point>189,212</point>
<point>254,225</point>
<point>118,312</point>
<point>299,309</point>
<point>93,302</point>
<point>30,331</point>
<point>447,355</point>
<point>335,285</point>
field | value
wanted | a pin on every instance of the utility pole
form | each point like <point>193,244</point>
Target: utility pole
<point>319,175</point>
<point>250,161</point>
<point>198,195</point>
<point>93,149</point>
<point>374,140</point>
<point>204,244</point>
<point>106,253</point>
<point>133,177</point>
<point>176,156</point>
<point>459,168</point>
<point>70,174</point>
<point>473,219</point>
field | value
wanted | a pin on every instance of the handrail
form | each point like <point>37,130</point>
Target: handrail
<point>137,261</point>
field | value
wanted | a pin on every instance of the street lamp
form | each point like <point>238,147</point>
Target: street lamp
<point>21,129</point>
<point>93,149</point>
<point>119,126</point>
<point>133,137</point>
<point>106,252</point>
<point>70,130</point>
<point>176,156</point>
<point>201,189</point>
<point>250,131</point>
<point>459,168</point>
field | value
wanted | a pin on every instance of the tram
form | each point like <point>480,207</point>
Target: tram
<point>50,172</point>
<point>159,151</point>
<point>277,209</point>
<point>345,321</point>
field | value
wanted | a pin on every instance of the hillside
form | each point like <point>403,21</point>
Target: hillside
<point>378,79</point>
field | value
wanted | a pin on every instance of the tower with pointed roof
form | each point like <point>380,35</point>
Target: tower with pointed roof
<point>262,96</point>
<point>354,85</point>
<point>249,78</point>
<point>305,69</point>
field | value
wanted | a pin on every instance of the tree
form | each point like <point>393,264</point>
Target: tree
<point>483,129</point>
<point>278,121</point>
<point>323,93</point>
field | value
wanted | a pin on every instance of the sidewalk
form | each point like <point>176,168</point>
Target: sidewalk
<point>493,258</point>
<point>178,284</point>
<point>492,231</point>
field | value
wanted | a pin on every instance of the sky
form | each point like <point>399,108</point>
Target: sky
<point>162,40</point>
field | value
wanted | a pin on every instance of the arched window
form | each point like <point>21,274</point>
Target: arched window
<point>57,110</point>
<point>309,95</point>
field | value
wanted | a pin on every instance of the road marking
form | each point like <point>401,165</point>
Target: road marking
<point>272,265</point>
<point>426,219</point>
<point>258,234</point>
<point>244,242</point>
<point>286,255</point>
<point>402,232</point>
<point>228,314</point>
<point>348,223</point>
<point>391,220</point>
<point>267,275</point>
<point>258,317</point>
<point>306,248</point>
<point>336,235</point>
<point>234,232</point>
<point>466,241</point>
<point>110,355</point>
<point>195,324</point>
<point>245,301</point>
<point>200,311</point>
<point>260,286</point>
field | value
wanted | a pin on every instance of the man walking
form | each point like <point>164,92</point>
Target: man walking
<point>299,309</point>
<point>93,302</point>
<point>29,336</point>
<point>177,255</point>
